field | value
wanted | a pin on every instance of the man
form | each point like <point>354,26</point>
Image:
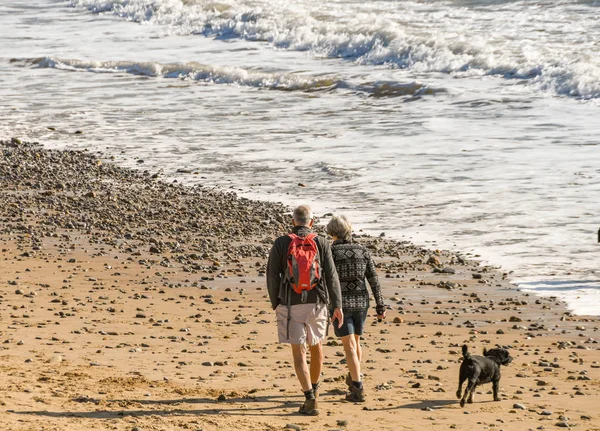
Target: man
<point>302,318</point>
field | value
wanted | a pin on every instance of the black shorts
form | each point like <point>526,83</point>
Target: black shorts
<point>354,323</point>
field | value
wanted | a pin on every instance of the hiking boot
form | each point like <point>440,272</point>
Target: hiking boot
<point>349,381</point>
<point>315,388</point>
<point>356,395</point>
<point>309,407</point>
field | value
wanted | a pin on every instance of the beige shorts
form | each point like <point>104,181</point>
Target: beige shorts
<point>308,323</point>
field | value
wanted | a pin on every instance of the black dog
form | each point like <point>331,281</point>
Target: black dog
<point>479,370</point>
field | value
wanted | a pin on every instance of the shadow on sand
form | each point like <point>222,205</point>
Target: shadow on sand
<point>225,407</point>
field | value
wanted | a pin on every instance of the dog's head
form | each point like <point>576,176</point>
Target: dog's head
<point>500,356</point>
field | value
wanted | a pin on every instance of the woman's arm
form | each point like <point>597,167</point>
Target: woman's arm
<point>371,277</point>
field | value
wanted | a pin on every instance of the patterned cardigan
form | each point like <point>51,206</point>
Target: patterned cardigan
<point>354,265</point>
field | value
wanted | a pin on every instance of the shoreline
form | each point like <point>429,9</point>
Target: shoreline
<point>135,302</point>
<point>576,300</point>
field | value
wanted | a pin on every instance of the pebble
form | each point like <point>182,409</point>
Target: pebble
<point>55,359</point>
<point>433,261</point>
<point>293,427</point>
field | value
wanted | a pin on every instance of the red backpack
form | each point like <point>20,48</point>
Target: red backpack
<point>303,272</point>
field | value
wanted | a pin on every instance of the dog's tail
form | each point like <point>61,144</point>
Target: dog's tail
<point>465,352</point>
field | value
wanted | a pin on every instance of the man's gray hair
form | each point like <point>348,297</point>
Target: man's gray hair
<point>303,215</point>
<point>340,227</point>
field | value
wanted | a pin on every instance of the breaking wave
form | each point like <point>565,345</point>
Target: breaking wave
<point>233,75</point>
<point>194,72</point>
<point>549,46</point>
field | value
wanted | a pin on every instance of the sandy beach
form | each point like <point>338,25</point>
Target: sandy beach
<point>132,302</point>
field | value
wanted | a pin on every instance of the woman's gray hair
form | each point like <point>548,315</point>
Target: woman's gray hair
<point>340,227</point>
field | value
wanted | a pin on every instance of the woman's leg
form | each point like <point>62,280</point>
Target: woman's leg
<point>350,348</point>
<point>358,348</point>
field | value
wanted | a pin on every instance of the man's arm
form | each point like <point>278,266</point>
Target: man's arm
<point>274,275</point>
<point>331,277</point>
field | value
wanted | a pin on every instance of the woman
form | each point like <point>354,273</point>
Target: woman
<point>354,265</point>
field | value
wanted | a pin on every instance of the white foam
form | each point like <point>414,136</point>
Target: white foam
<point>551,47</point>
<point>581,296</point>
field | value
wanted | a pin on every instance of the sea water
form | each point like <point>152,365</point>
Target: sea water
<point>470,125</point>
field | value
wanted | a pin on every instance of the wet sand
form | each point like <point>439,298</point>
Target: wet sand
<point>128,302</point>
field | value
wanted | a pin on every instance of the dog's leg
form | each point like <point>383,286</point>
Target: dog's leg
<point>461,379</point>
<point>495,385</point>
<point>470,399</point>
<point>468,395</point>
<point>464,397</point>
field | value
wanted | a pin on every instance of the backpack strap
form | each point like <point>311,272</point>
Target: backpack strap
<point>289,316</point>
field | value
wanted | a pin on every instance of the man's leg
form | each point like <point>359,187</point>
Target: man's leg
<point>301,367</point>
<point>310,406</point>
<point>316,362</point>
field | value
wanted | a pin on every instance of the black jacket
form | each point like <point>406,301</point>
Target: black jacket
<point>355,265</point>
<point>328,291</point>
